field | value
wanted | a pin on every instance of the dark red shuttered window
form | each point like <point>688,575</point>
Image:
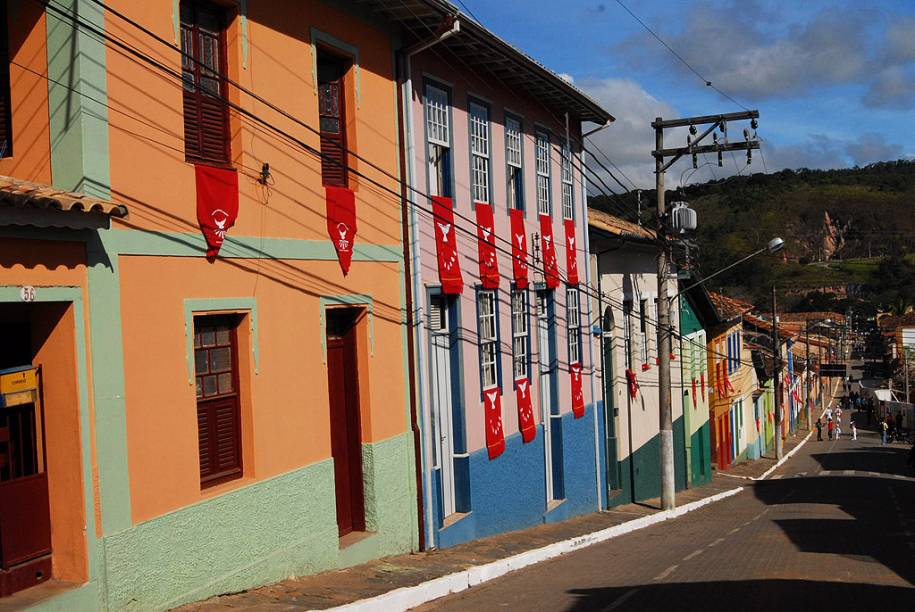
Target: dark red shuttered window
<point>218,412</point>
<point>206,115</point>
<point>6,123</point>
<point>332,117</point>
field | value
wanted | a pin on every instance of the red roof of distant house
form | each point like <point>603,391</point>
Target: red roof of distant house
<point>835,317</point>
<point>729,308</point>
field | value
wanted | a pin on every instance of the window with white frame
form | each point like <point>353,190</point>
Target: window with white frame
<point>520,334</point>
<point>488,338</point>
<point>573,321</point>
<point>643,331</point>
<point>515,179</point>
<point>438,135</point>
<point>568,188</point>
<point>543,173</point>
<point>479,152</point>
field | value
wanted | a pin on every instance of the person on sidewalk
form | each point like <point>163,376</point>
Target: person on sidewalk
<point>830,425</point>
<point>819,430</point>
<point>854,431</point>
<point>883,428</point>
<point>838,428</point>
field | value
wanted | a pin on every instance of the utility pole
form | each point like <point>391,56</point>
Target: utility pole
<point>807,373</point>
<point>660,154</point>
<point>777,376</point>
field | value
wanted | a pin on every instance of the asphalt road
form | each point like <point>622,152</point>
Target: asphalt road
<point>832,529</point>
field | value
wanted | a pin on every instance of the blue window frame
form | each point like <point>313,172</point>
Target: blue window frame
<point>514,162</point>
<point>488,344</point>
<point>439,138</point>
<point>521,334</point>
<point>573,323</point>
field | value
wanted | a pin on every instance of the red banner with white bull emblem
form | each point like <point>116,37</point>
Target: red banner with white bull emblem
<point>550,269</point>
<point>495,438</point>
<point>578,400</point>
<point>525,411</point>
<point>486,247</point>
<point>449,269</point>
<point>217,204</point>
<point>519,248</point>
<point>571,259</point>
<point>341,223</point>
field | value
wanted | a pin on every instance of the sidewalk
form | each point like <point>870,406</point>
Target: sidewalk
<point>756,468</point>
<point>341,587</point>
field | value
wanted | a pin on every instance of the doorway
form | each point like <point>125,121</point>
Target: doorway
<point>441,392</point>
<point>345,421</point>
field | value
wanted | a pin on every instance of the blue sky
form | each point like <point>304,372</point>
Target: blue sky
<point>834,81</point>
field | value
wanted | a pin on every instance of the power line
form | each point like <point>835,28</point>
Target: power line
<point>707,82</point>
<point>124,47</point>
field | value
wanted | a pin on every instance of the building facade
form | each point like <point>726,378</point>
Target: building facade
<point>624,259</point>
<point>222,364</point>
<point>504,359</point>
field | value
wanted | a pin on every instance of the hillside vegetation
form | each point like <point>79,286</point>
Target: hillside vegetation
<point>844,229</point>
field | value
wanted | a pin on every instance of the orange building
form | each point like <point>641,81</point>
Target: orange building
<point>201,271</point>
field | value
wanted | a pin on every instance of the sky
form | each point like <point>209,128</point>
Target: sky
<point>834,81</point>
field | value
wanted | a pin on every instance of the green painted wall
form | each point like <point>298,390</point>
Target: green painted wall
<point>701,456</point>
<point>77,98</point>
<point>261,533</point>
<point>646,470</point>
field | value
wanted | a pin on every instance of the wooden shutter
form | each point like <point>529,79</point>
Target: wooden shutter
<point>332,118</point>
<point>6,123</point>
<point>218,410</point>
<point>206,114</point>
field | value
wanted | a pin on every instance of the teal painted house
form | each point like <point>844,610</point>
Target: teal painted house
<point>696,315</point>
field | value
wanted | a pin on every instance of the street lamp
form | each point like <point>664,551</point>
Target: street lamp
<point>773,246</point>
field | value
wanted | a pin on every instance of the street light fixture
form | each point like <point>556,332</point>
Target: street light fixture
<point>773,246</point>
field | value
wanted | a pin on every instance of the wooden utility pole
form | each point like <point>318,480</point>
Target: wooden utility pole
<point>660,154</point>
<point>777,377</point>
<point>807,371</point>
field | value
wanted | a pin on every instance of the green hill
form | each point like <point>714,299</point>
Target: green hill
<point>845,230</point>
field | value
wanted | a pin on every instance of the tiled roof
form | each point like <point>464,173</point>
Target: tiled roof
<point>16,193</point>
<point>606,222</point>
<point>729,308</point>
<point>835,317</point>
<point>767,326</point>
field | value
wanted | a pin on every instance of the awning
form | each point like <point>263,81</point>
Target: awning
<point>34,204</point>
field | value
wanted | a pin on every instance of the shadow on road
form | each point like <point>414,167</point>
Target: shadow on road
<point>745,595</point>
<point>889,459</point>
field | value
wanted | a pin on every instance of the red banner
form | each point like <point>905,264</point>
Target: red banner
<point>578,400</point>
<point>695,405</point>
<point>550,270</point>
<point>702,380</point>
<point>486,247</point>
<point>519,248</point>
<point>217,204</point>
<point>719,382</point>
<point>631,383</point>
<point>495,439</point>
<point>571,259</point>
<point>525,412</point>
<point>449,269</point>
<point>341,223</point>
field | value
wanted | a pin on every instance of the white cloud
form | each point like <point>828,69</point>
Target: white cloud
<point>568,78</point>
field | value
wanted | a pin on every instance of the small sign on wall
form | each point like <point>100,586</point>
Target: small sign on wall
<point>27,293</point>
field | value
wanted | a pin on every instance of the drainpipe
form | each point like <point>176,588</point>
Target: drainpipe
<point>413,271</point>
<point>584,216</point>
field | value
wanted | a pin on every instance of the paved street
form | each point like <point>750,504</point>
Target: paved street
<point>833,529</point>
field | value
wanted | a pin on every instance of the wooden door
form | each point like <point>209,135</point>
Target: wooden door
<point>345,425</point>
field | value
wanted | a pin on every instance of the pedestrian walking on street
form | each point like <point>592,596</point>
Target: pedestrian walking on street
<point>883,428</point>
<point>854,431</point>
<point>838,429</point>
<point>819,430</point>
<point>829,427</point>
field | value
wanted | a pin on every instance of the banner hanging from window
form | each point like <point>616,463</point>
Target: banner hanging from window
<point>571,259</point>
<point>217,204</point>
<point>525,412</point>
<point>519,248</point>
<point>495,439</point>
<point>550,269</point>
<point>486,247</point>
<point>341,223</point>
<point>578,400</point>
<point>449,269</point>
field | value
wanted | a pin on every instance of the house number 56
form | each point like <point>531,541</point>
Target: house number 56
<point>27,293</point>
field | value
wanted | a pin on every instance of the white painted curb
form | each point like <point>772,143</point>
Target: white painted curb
<point>406,598</point>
